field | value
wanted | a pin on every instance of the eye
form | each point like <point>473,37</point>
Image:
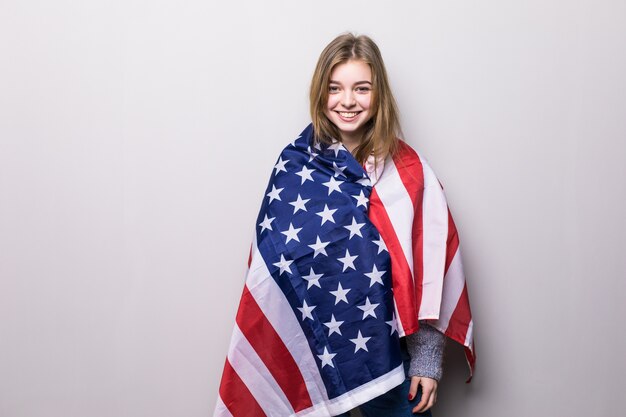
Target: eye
<point>363,89</point>
<point>333,89</point>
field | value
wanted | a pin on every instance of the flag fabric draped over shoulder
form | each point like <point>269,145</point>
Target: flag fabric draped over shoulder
<point>342,264</point>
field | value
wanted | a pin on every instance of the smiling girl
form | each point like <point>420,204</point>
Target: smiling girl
<point>345,303</point>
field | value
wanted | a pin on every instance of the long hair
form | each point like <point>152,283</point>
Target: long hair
<point>381,131</point>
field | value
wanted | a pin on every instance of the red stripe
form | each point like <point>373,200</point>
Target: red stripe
<point>411,174</point>
<point>400,272</point>
<point>460,319</point>
<point>452,242</point>
<point>236,396</point>
<point>270,347</point>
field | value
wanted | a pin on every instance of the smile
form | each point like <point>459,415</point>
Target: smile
<point>348,115</point>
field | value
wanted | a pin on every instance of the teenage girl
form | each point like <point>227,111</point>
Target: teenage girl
<point>351,101</point>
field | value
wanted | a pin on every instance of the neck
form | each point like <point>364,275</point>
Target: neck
<point>350,142</point>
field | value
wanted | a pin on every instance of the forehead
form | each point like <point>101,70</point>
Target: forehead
<point>351,71</point>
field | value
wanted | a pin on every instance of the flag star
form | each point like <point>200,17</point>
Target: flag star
<point>283,264</point>
<point>355,228</point>
<point>333,185</point>
<point>336,146</point>
<point>266,223</point>
<point>381,244</point>
<point>305,174</point>
<point>327,214</point>
<point>360,342</point>
<point>292,233</point>
<point>319,247</point>
<point>348,261</point>
<point>299,204</point>
<point>313,154</point>
<point>333,325</point>
<point>280,165</point>
<point>327,358</point>
<point>313,279</point>
<point>361,200</point>
<point>293,143</point>
<point>365,181</point>
<point>338,170</point>
<point>274,194</point>
<point>340,294</point>
<point>375,276</point>
<point>306,311</point>
<point>394,324</point>
<point>368,308</point>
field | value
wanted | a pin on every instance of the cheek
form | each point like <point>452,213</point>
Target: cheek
<point>365,102</point>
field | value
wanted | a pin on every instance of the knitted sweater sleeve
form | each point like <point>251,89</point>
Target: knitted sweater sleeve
<point>426,351</point>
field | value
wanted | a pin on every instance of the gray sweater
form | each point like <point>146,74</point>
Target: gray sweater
<point>426,351</point>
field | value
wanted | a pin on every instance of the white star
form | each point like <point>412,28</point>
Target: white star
<point>338,171</point>
<point>293,143</point>
<point>266,223</point>
<point>292,233</point>
<point>337,146</point>
<point>360,342</point>
<point>355,228</point>
<point>327,214</point>
<point>340,294</point>
<point>333,185</point>
<point>298,204</point>
<point>306,311</point>
<point>375,276</point>
<point>280,165</point>
<point>333,326</point>
<point>312,154</point>
<point>274,194</point>
<point>365,181</point>
<point>361,200</point>
<point>348,261</point>
<point>381,244</point>
<point>319,247</point>
<point>327,358</point>
<point>368,308</point>
<point>283,265</point>
<point>305,174</point>
<point>393,323</point>
<point>313,279</point>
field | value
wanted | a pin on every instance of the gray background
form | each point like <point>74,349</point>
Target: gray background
<point>137,137</point>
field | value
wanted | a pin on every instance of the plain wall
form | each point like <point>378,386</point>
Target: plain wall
<point>137,137</point>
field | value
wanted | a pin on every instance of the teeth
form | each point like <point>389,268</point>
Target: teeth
<point>345,114</point>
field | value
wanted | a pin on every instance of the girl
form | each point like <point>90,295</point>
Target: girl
<point>345,304</point>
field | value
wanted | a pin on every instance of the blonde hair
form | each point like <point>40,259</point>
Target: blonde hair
<point>382,130</point>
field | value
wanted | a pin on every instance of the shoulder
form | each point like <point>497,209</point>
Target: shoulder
<point>408,159</point>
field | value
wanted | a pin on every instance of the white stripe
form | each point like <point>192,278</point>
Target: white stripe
<point>398,321</point>
<point>220,408</point>
<point>357,396</point>
<point>395,197</point>
<point>255,375</point>
<point>453,285</point>
<point>434,240</point>
<point>279,313</point>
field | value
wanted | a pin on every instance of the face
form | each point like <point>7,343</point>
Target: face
<point>349,98</point>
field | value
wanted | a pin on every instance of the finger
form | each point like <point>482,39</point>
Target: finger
<point>413,388</point>
<point>426,394</point>
<point>433,400</point>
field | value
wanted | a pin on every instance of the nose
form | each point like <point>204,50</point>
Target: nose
<point>348,99</point>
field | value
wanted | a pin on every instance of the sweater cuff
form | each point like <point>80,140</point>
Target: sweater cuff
<point>426,349</point>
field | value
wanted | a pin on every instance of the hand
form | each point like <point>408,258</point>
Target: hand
<point>429,392</point>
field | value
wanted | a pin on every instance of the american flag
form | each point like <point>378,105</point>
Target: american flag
<point>342,264</point>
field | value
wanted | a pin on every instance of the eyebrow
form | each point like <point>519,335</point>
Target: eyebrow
<point>356,83</point>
